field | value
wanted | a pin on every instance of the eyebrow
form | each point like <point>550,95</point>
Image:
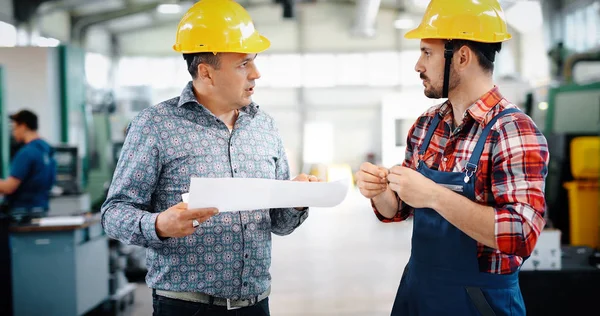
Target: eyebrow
<point>249,59</point>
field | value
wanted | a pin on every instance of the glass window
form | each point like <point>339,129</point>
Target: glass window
<point>319,70</point>
<point>570,31</point>
<point>351,69</point>
<point>593,24</point>
<point>408,75</point>
<point>383,69</point>
<point>97,70</point>
<point>580,31</point>
<point>285,70</point>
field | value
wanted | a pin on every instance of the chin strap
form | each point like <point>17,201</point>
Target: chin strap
<point>448,52</point>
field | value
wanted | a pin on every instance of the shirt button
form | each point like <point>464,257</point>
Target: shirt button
<point>445,159</point>
<point>245,283</point>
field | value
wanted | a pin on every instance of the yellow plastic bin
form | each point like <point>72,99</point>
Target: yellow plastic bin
<point>583,212</point>
<point>585,157</point>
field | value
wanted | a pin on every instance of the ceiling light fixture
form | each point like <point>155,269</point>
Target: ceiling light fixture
<point>169,8</point>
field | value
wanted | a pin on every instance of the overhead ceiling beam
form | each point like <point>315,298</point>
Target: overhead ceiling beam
<point>62,5</point>
<point>246,4</point>
<point>175,20</point>
<point>155,25</point>
<point>81,23</point>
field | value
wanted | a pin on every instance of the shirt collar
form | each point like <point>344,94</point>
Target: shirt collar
<point>187,96</point>
<point>478,110</point>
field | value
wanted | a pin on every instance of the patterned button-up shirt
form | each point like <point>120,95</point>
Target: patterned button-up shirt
<point>510,177</point>
<point>230,254</point>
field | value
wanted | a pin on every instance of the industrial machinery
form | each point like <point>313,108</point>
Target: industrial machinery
<point>562,274</point>
<point>68,197</point>
<point>573,112</point>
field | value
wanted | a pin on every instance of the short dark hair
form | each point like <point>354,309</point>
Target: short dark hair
<point>486,52</point>
<point>194,60</point>
<point>26,117</point>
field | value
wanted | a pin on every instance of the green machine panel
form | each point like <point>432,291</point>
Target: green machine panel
<point>574,109</point>
<point>74,119</point>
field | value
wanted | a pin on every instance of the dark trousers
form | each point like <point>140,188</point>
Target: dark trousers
<point>164,306</point>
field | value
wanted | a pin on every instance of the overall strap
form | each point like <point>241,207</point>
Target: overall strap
<point>432,127</point>
<point>476,155</point>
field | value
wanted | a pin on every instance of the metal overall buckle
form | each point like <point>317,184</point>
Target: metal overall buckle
<point>470,169</point>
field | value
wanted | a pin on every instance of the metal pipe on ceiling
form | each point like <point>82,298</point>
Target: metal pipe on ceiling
<point>366,17</point>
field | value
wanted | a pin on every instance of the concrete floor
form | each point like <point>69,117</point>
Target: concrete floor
<point>341,261</point>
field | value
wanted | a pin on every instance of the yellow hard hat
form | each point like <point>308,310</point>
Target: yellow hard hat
<point>218,26</point>
<point>474,20</point>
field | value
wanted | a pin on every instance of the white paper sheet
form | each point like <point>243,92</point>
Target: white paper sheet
<point>240,194</point>
<point>62,221</point>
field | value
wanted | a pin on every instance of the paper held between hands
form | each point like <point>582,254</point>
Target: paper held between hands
<point>240,194</point>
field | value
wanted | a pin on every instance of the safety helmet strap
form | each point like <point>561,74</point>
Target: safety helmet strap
<point>448,52</point>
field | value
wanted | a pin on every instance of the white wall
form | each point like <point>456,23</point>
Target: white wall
<point>32,82</point>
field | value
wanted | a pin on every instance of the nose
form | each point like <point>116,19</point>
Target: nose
<point>254,74</point>
<point>419,67</point>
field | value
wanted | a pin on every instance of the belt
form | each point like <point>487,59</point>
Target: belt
<point>208,299</point>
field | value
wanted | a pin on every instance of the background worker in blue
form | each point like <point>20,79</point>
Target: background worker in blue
<point>32,170</point>
<point>473,176</point>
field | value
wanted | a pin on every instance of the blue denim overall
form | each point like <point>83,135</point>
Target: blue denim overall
<point>442,276</point>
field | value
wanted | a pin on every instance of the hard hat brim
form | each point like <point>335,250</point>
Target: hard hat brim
<point>259,45</point>
<point>419,33</point>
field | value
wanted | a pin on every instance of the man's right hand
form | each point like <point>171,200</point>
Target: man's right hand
<point>371,180</point>
<point>177,221</point>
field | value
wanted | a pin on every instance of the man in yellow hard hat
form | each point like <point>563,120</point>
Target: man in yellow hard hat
<point>201,262</point>
<point>473,176</point>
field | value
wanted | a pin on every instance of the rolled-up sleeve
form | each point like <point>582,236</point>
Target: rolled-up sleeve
<point>126,213</point>
<point>520,165</point>
<point>285,220</point>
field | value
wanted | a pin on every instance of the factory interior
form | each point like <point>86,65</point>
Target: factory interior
<point>341,82</point>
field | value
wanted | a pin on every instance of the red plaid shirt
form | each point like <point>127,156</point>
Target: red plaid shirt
<point>511,173</point>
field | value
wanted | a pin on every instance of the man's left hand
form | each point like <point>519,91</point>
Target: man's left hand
<point>305,178</point>
<point>412,187</point>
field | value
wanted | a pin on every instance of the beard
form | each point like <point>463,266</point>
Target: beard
<point>435,91</point>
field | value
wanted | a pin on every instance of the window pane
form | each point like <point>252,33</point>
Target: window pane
<point>285,70</point>
<point>580,30</point>
<point>570,32</point>
<point>593,24</point>
<point>383,69</point>
<point>351,69</point>
<point>97,69</point>
<point>319,70</point>
<point>408,75</point>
